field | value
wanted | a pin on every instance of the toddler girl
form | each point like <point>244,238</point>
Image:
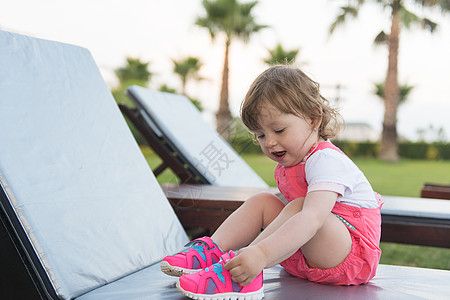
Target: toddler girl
<point>329,231</point>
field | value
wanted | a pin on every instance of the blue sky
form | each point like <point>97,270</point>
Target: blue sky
<point>157,31</point>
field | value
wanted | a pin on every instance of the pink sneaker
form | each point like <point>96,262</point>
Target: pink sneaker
<point>215,282</point>
<point>201,253</point>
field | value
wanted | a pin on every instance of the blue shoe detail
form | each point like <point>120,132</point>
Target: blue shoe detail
<point>198,247</point>
<point>218,269</point>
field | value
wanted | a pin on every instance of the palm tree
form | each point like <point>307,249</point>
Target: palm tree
<point>167,89</point>
<point>235,20</point>
<point>134,69</point>
<point>187,68</point>
<point>279,55</point>
<point>134,72</point>
<point>399,15</point>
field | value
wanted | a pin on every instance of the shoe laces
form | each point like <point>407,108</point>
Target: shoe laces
<point>199,247</point>
<point>217,268</point>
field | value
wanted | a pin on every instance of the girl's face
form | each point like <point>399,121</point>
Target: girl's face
<point>285,138</point>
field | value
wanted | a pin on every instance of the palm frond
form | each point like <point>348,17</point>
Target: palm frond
<point>342,17</point>
<point>407,18</point>
<point>230,17</point>
<point>381,38</point>
<point>379,89</point>
<point>279,55</point>
<point>210,26</point>
<point>246,8</point>
<point>428,24</point>
<point>444,5</point>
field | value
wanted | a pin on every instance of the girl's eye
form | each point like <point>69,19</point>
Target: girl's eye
<point>280,131</point>
<point>260,136</point>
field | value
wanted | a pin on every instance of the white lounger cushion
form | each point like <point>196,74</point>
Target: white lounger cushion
<point>178,120</point>
<point>416,207</point>
<point>391,282</point>
<point>72,170</point>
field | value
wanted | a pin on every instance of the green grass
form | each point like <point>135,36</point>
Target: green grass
<point>405,178</point>
<point>154,161</point>
<point>415,256</point>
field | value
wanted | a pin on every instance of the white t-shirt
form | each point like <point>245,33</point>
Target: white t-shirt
<point>330,170</point>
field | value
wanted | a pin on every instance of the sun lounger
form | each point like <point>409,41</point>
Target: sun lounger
<point>78,197</point>
<point>417,221</point>
<point>407,220</point>
<point>82,216</point>
<point>180,128</point>
<point>436,191</point>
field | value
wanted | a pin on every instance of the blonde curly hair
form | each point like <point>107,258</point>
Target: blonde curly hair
<point>291,91</point>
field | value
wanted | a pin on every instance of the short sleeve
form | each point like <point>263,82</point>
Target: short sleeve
<point>328,167</point>
<point>327,186</point>
<point>331,166</point>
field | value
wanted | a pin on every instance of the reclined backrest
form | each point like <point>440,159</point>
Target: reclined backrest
<point>75,187</point>
<point>180,123</point>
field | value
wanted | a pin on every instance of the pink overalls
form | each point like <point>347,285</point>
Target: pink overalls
<point>364,227</point>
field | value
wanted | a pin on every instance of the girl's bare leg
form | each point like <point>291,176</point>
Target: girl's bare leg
<point>330,246</point>
<point>244,224</point>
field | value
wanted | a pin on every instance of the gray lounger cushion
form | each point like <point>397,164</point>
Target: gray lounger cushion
<point>391,282</point>
<point>416,207</point>
<point>73,172</point>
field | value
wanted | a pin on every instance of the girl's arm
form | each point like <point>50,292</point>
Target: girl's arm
<point>299,223</point>
<point>299,229</point>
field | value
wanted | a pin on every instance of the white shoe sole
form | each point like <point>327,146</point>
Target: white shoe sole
<point>256,295</point>
<point>166,268</point>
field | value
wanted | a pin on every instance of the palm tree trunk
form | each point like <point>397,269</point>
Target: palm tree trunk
<point>183,86</point>
<point>389,146</point>
<point>223,116</point>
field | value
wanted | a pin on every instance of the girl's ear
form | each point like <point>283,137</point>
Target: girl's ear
<point>316,123</point>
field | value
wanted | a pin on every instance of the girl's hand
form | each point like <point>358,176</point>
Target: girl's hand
<point>246,265</point>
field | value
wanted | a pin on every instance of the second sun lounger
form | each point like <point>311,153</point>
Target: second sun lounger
<point>179,127</point>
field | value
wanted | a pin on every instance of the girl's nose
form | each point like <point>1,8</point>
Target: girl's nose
<point>270,142</point>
